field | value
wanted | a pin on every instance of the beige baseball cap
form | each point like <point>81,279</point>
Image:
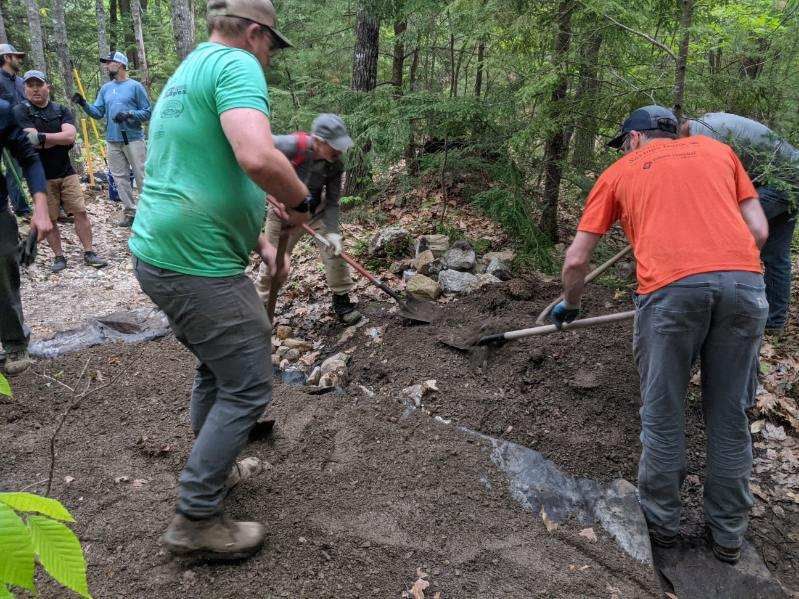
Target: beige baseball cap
<point>258,11</point>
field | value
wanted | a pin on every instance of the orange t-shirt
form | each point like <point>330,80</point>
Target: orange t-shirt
<point>678,203</point>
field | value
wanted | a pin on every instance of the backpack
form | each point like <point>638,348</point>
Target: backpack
<point>36,114</point>
<point>302,148</point>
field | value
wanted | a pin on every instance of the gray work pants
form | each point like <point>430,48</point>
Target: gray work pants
<point>718,319</point>
<point>223,323</point>
<point>122,158</point>
<point>13,335</point>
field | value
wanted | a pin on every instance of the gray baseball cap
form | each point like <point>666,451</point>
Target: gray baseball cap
<point>9,49</point>
<point>34,74</point>
<point>258,11</point>
<point>647,118</point>
<point>331,129</point>
<point>116,57</point>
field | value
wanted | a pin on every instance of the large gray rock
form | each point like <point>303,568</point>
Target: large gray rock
<point>455,281</point>
<point>499,269</point>
<point>423,261</point>
<point>460,257</point>
<point>391,241</point>
<point>334,371</point>
<point>438,244</point>
<point>423,287</point>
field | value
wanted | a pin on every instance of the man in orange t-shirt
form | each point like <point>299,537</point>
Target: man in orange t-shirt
<point>695,223</point>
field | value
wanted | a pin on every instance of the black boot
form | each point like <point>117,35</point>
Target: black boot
<point>344,309</point>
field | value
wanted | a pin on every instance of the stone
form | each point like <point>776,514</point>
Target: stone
<point>283,331</point>
<point>499,269</point>
<point>454,281</point>
<point>460,257</point>
<point>335,362</point>
<point>423,287</point>
<point>486,279</point>
<point>316,374</point>
<point>438,244</point>
<point>391,242</point>
<point>281,351</point>
<point>299,344</point>
<point>398,266</point>
<point>334,371</point>
<point>293,354</point>
<point>505,255</point>
<point>275,360</point>
<point>423,261</point>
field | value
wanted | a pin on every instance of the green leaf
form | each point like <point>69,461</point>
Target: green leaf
<point>29,502</point>
<point>16,550</point>
<point>60,553</point>
<point>5,386</point>
<point>5,593</point>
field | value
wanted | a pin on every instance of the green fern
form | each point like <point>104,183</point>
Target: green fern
<point>43,538</point>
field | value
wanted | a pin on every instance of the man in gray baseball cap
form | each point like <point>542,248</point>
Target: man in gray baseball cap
<point>317,159</point>
<point>12,91</point>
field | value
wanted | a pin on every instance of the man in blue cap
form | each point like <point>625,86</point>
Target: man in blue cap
<point>316,156</point>
<point>124,104</point>
<point>13,92</point>
<point>695,224</point>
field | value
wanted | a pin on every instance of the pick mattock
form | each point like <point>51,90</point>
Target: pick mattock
<point>410,308</point>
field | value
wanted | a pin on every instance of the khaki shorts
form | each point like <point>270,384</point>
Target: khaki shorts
<point>67,192</point>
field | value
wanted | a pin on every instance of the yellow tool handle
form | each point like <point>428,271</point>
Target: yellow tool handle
<point>94,125</point>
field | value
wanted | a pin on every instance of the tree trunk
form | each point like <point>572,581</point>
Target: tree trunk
<point>113,17</point>
<point>37,35</point>
<point>686,18</point>
<point>398,62</point>
<point>364,60</point>
<point>410,148</point>
<point>135,11</point>
<point>128,37</point>
<point>183,26</point>
<point>60,29</point>
<point>585,97</point>
<point>453,90</point>
<point>102,39</point>
<point>478,79</point>
<point>556,147</point>
<point>364,79</point>
<point>3,35</point>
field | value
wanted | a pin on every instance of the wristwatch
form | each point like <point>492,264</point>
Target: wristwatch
<point>303,207</point>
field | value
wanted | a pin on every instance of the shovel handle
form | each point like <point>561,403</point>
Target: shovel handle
<point>551,328</point>
<point>590,277</point>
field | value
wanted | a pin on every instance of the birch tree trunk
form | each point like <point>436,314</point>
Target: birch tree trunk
<point>183,26</point>
<point>60,30</point>
<point>135,11</point>
<point>3,36</point>
<point>37,35</point>
<point>556,146</point>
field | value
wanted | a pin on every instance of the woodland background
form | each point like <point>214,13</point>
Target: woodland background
<point>503,103</point>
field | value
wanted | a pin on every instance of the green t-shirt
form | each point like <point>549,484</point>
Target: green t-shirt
<point>199,213</point>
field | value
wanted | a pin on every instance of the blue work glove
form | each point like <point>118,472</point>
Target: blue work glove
<point>562,313</point>
<point>119,117</point>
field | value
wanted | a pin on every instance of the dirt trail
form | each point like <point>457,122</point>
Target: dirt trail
<point>356,500</point>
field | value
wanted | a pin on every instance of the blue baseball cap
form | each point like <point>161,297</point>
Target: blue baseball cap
<point>116,57</point>
<point>34,74</point>
<point>648,118</point>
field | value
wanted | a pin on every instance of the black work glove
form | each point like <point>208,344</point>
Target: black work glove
<point>78,99</point>
<point>27,250</point>
<point>120,117</point>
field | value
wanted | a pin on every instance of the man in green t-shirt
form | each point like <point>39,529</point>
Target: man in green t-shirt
<point>210,160</point>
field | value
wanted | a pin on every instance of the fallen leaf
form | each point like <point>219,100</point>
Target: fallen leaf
<point>69,480</point>
<point>774,433</point>
<point>756,490</point>
<point>121,479</point>
<point>589,534</point>
<point>551,526</point>
<point>792,496</point>
<point>757,426</point>
<point>417,590</point>
<point>671,596</point>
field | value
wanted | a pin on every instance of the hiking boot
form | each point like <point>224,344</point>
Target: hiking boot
<point>215,538</point>
<point>728,555</point>
<point>663,540</point>
<point>59,264</point>
<point>127,219</point>
<point>243,470</point>
<point>345,309</point>
<point>92,259</point>
<point>18,361</point>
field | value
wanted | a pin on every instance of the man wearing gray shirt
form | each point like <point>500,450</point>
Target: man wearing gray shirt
<point>773,166</point>
<point>316,157</point>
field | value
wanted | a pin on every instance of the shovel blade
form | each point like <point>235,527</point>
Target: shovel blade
<point>417,310</point>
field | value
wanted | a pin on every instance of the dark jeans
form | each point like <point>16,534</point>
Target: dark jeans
<point>224,324</point>
<point>776,255</point>
<point>716,318</point>
<point>16,196</point>
<point>12,331</point>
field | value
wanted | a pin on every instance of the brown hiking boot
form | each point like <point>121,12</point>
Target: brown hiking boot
<point>215,538</point>
<point>18,361</point>
<point>243,470</point>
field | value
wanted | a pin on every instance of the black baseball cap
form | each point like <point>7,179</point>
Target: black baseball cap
<point>648,118</point>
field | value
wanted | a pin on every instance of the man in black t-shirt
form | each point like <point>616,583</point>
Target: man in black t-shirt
<point>51,130</point>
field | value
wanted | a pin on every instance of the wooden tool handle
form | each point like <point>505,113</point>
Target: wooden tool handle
<point>577,324</point>
<point>590,277</point>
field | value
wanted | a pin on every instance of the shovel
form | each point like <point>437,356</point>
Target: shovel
<point>467,342</point>
<point>410,308</point>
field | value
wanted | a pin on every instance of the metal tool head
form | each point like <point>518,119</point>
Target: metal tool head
<point>417,310</point>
